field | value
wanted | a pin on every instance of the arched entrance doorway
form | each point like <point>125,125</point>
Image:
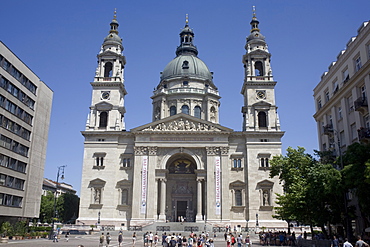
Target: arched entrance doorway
<point>181,188</point>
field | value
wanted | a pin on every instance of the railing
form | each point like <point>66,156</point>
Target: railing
<point>135,228</point>
<point>186,90</point>
<point>328,129</point>
<point>219,229</point>
<point>363,133</point>
<point>360,102</point>
<point>107,79</point>
<point>191,228</point>
<point>163,228</point>
<point>260,78</point>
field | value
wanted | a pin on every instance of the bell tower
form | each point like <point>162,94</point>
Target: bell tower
<point>107,107</point>
<point>259,110</point>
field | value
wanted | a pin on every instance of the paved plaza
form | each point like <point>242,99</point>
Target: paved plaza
<point>93,241</point>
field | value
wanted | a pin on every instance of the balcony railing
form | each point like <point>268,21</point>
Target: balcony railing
<point>361,104</point>
<point>107,79</point>
<point>186,90</point>
<point>364,134</point>
<point>328,129</point>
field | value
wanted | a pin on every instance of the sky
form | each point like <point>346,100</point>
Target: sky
<point>59,41</point>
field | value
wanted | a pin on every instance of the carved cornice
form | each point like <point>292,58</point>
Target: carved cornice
<point>217,150</point>
<point>140,150</point>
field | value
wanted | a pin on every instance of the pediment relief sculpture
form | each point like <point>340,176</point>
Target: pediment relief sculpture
<point>182,125</point>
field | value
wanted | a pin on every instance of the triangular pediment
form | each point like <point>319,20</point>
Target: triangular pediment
<point>97,182</point>
<point>104,106</point>
<point>261,104</point>
<point>181,123</point>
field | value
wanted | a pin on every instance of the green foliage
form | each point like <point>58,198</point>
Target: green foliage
<point>7,229</point>
<point>356,175</point>
<point>311,191</point>
<point>67,206</point>
<point>20,228</point>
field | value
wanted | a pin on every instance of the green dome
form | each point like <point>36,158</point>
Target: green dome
<point>186,65</point>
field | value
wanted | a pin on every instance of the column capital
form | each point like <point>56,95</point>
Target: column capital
<point>142,150</point>
<point>217,150</point>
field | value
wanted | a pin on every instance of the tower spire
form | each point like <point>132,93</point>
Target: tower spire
<point>186,20</point>
<point>254,23</point>
<point>114,24</point>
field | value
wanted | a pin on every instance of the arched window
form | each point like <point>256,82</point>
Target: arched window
<point>238,198</point>
<point>124,197</point>
<point>185,109</point>
<point>258,66</point>
<point>103,122</point>
<point>197,112</point>
<point>108,69</point>
<point>172,110</point>
<point>262,122</point>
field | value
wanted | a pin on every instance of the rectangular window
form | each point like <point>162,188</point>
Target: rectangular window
<point>335,86</point>
<point>358,64</point>
<point>6,65</point>
<point>353,131</point>
<point>319,105</point>
<point>327,97</point>
<point>345,75</point>
<point>368,51</point>
<point>342,139</point>
<point>350,104</point>
<point>2,179</point>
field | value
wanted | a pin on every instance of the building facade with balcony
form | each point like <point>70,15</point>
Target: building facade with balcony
<point>25,108</point>
<point>60,188</point>
<point>341,97</point>
<point>184,165</point>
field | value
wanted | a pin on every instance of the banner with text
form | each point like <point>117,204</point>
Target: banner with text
<point>144,184</point>
<point>218,184</point>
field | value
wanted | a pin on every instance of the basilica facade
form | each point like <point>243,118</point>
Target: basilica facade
<point>184,165</point>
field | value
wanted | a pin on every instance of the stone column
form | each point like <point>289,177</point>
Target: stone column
<point>162,206</point>
<point>199,200</point>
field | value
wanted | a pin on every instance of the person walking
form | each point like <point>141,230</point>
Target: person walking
<point>133,239</point>
<point>120,239</point>
<point>67,236</point>
<point>360,242</point>
<point>101,239</point>
<point>108,238</point>
<point>346,243</point>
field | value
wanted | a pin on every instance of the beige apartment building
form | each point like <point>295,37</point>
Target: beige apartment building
<point>341,97</point>
<point>25,108</point>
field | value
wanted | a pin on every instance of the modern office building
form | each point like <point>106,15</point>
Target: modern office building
<point>184,165</point>
<point>25,108</point>
<point>342,112</point>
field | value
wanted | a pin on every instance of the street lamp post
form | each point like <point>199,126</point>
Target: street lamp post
<point>60,174</point>
<point>327,131</point>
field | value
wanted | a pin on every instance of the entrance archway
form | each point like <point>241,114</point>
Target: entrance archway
<point>181,196</point>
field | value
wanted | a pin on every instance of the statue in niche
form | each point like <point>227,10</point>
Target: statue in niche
<point>97,193</point>
<point>266,198</point>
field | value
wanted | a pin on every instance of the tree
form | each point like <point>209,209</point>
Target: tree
<point>356,176</point>
<point>311,191</point>
<point>70,205</point>
<point>66,207</point>
<point>47,207</point>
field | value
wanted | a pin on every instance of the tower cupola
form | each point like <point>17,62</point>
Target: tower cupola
<point>186,46</point>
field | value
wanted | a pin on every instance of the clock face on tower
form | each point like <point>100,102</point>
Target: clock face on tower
<point>105,95</point>
<point>261,94</point>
